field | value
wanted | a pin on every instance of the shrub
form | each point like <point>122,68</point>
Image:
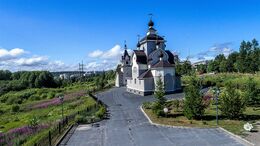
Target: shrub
<point>13,99</point>
<point>50,95</point>
<point>232,104</point>
<point>1,111</point>
<point>101,112</point>
<point>79,119</point>
<point>252,94</point>
<point>147,105</point>
<point>176,104</point>
<point>34,122</point>
<point>34,97</point>
<point>157,109</point>
<point>15,108</point>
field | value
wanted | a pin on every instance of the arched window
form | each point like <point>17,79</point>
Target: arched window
<point>135,81</point>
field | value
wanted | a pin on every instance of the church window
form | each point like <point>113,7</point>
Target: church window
<point>135,81</point>
<point>134,70</point>
<point>126,62</point>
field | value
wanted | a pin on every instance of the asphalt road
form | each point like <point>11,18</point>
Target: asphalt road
<point>127,126</point>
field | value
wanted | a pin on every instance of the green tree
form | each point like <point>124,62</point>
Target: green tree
<point>252,92</point>
<point>202,68</point>
<point>159,92</point>
<point>242,61</point>
<point>184,68</point>
<point>159,104</point>
<point>193,103</point>
<point>223,66</point>
<point>232,104</point>
<point>231,61</point>
<point>211,66</point>
<point>5,75</point>
<point>218,59</point>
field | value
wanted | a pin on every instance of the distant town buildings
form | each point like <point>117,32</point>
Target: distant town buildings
<point>149,62</point>
<point>204,62</point>
<point>73,74</point>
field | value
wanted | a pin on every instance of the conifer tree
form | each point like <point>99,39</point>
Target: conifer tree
<point>193,103</point>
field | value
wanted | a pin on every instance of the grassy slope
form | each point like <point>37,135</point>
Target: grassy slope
<point>13,120</point>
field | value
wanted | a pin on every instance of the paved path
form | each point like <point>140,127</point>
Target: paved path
<point>128,126</point>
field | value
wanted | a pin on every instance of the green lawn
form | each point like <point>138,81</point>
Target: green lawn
<point>176,118</point>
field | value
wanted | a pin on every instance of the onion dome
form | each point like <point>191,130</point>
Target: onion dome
<point>150,24</point>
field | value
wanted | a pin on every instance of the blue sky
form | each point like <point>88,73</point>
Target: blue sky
<point>58,34</point>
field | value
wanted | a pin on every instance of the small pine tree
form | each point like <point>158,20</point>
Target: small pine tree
<point>193,103</point>
<point>159,95</point>
<point>159,91</point>
<point>232,105</point>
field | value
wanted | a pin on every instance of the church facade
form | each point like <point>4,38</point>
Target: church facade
<point>148,63</point>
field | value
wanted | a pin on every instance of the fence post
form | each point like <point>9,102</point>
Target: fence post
<point>59,127</point>
<point>49,138</point>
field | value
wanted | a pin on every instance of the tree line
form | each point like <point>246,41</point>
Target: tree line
<point>25,79</point>
<point>246,60</point>
<point>20,80</point>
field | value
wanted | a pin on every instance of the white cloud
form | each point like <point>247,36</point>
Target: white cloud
<point>209,54</point>
<point>33,61</point>
<point>13,53</point>
<point>15,59</point>
<point>113,53</point>
<point>101,65</point>
<point>18,59</point>
<point>96,53</point>
<point>105,60</point>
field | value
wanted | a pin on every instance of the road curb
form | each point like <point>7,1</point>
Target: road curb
<point>64,135</point>
<point>240,139</point>
<point>162,125</point>
<point>236,137</point>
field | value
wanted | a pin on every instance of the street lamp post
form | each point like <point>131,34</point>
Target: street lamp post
<point>61,100</point>
<point>216,92</point>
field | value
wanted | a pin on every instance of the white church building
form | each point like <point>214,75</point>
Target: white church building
<point>149,62</point>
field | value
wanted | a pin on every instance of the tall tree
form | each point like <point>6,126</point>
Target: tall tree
<point>231,62</point>
<point>193,103</point>
<point>223,66</point>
